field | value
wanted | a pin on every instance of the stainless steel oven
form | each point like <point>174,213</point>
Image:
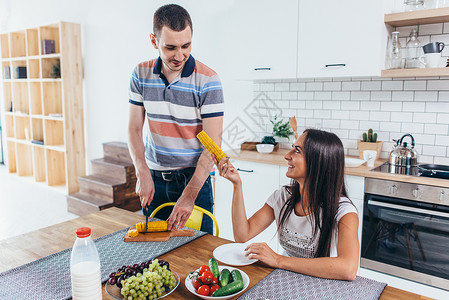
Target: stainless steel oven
<point>406,231</point>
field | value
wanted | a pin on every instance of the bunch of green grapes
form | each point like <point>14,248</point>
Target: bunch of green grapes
<point>155,281</point>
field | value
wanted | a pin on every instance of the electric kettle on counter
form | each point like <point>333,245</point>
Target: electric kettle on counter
<point>404,158</point>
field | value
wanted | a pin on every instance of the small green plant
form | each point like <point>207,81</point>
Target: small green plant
<point>55,70</point>
<point>281,129</point>
<point>369,137</point>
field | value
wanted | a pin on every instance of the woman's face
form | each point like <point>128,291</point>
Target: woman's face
<point>296,160</point>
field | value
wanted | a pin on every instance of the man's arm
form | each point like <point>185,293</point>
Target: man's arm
<point>144,185</point>
<point>184,206</point>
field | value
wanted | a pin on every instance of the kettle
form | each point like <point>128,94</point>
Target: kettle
<point>404,155</point>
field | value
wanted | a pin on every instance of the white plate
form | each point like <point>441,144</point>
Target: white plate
<point>353,162</point>
<point>233,254</point>
<point>189,285</point>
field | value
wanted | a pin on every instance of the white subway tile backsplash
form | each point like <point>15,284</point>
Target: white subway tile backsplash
<point>371,105</point>
<point>332,86</point>
<point>379,116</point>
<point>381,96</point>
<point>360,96</point>
<point>340,114</point>
<point>297,86</point>
<point>392,85</point>
<point>388,126</point>
<point>440,107</point>
<point>438,85</point>
<point>314,86</point>
<point>402,96</point>
<point>350,106</point>
<point>391,106</point>
<point>281,87</point>
<point>414,106</point>
<point>371,85</point>
<point>402,116</point>
<point>443,96</point>
<point>426,96</point>
<point>434,150</point>
<point>436,128</point>
<point>415,85</point>
<point>331,104</point>
<point>358,115</point>
<point>424,117</point>
<point>322,96</point>
<point>341,95</point>
<point>446,28</point>
<point>428,29</point>
<point>350,86</point>
<point>412,127</point>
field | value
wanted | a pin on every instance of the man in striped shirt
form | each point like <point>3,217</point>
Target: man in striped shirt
<point>178,96</point>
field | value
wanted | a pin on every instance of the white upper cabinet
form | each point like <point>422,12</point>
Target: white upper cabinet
<point>264,35</point>
<point>341,38</point>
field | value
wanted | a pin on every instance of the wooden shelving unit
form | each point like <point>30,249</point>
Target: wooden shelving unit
<point>42,101</point>
<point>419,17</point>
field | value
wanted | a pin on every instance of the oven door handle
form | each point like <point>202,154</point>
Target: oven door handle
<point>410,209</point>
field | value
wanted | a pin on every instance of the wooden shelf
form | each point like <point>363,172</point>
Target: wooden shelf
<point>29,101</point>
<point>418,17</point>
<point>427,72</point>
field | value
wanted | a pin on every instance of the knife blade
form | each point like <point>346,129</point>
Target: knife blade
<point>146,218</point>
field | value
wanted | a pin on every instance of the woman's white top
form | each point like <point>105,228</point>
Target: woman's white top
<point>296,236</point>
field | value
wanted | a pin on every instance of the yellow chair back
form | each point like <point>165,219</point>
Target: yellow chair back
<point>195,219</point>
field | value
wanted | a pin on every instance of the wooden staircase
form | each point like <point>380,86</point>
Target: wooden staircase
<point>112,183</point>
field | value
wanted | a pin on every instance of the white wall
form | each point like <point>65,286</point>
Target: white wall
<point>115,38</point>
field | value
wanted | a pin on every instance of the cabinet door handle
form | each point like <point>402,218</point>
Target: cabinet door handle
<point>335,65</point>
<point>242,170</point>
<point>262,69</point>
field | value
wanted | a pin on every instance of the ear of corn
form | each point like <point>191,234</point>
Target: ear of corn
<point>210,145</point>
<point>154,226</point>
<point>133,232</point>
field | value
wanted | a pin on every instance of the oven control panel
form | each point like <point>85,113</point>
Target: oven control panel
<point>409,191</point>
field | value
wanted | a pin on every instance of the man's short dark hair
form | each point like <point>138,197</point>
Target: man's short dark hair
<point>173,16</point>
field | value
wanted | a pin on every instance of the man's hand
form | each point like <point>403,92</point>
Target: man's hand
<point>181,212</point>
<point>145,188</point>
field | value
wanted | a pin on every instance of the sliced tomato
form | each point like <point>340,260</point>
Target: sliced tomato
<point>203,269</point>
<point>204,290</point>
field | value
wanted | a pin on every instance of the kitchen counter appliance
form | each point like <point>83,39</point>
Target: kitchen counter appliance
<point>405,230</point>
<point>404,158</point>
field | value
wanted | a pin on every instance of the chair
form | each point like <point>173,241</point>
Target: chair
<point>195,219</point>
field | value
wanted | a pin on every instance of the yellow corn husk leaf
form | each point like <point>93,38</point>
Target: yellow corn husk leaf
<point>210,145</point>
<point>133,232</point>
<point>153,226</point>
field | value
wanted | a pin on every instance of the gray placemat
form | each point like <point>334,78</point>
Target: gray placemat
<point>282,284</point>
<point>49,277</point>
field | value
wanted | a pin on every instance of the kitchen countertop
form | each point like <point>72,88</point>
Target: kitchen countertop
<point>277,158</point>
<point>31,246</point>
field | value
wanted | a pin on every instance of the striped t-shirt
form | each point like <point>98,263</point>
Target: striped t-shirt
<point>175,110</point>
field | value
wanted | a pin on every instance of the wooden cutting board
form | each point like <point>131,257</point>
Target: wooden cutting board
<point>161,236</point>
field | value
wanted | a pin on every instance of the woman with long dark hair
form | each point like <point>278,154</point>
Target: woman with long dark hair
<point>317,223</point>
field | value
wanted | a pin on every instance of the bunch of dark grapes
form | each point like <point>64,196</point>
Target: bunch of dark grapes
<point>116,278</point>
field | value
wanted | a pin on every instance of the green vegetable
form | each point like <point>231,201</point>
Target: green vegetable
<point>213,265</point>
<point>236,276</point>
<point>231,288</point>
<point>224,277</point>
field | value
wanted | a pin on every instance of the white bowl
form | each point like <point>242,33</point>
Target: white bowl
<point>265,148</point>
<point>353,162</point>
<point>189,285</point>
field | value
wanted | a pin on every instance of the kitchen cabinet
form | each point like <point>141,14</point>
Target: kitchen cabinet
<point>340,38</point>
<point>264,34</point>
<point>410,18</point>
<point>259,182</point>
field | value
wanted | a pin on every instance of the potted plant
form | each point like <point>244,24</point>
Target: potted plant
<point>369,142</point>
<point>280,129</point>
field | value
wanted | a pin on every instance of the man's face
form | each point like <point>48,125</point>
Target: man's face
<point>174,48</point>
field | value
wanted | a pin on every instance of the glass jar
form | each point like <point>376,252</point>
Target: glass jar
<point>411,5</point>
<point>414,51</point>
<point>394,54</point>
